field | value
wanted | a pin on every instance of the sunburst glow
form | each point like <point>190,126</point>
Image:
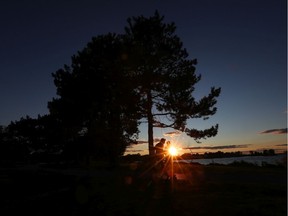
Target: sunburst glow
<point>173,151</point>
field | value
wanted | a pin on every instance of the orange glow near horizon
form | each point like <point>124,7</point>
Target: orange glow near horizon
<point>173,151</point>
<point>279,144</point>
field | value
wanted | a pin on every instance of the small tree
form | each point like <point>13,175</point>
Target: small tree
<point>164,78</point>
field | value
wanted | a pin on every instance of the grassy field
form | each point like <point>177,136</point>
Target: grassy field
<point>226,190</point>
<point>135,189</point>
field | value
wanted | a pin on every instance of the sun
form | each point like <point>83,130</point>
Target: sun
<point>172,151</point>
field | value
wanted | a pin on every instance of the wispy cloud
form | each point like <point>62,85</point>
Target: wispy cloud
<point>275,131</point>
<point>172,133</point>
<point>218,147</point>
<point>281,145</point>
<point>142,142</point>
<point>134,151</point>
<point>138,142</point>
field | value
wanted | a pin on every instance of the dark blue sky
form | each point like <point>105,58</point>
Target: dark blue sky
<point>241,46</point>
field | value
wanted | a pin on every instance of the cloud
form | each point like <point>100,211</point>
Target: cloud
<point>218,147</point>
<point>134,151</point>
<point>281,145</point>
<point>172,133</point>
<point>275,131</point>
<point>159,124</point>
<point>138,142</point>
<point>142,142</point>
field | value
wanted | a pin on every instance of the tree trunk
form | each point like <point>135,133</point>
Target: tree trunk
<point>150,123</point>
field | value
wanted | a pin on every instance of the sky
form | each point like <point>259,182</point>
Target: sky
<point>240,45</point>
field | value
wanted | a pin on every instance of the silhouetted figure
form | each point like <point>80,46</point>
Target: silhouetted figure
<point>159,154</point>
<point>166,151</point>
<point>159,148</point>
<point>164,161</point>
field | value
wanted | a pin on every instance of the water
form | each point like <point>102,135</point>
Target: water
<point>257,160</point>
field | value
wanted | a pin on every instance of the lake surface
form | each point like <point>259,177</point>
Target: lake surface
<point>257,160</point>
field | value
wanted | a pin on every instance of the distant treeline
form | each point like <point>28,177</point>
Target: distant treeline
<point>218,154</point>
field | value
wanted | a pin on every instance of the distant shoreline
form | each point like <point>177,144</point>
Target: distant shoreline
<point>260,160</point>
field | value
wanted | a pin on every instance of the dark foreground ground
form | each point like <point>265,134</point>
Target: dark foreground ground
<point>136,189</point>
